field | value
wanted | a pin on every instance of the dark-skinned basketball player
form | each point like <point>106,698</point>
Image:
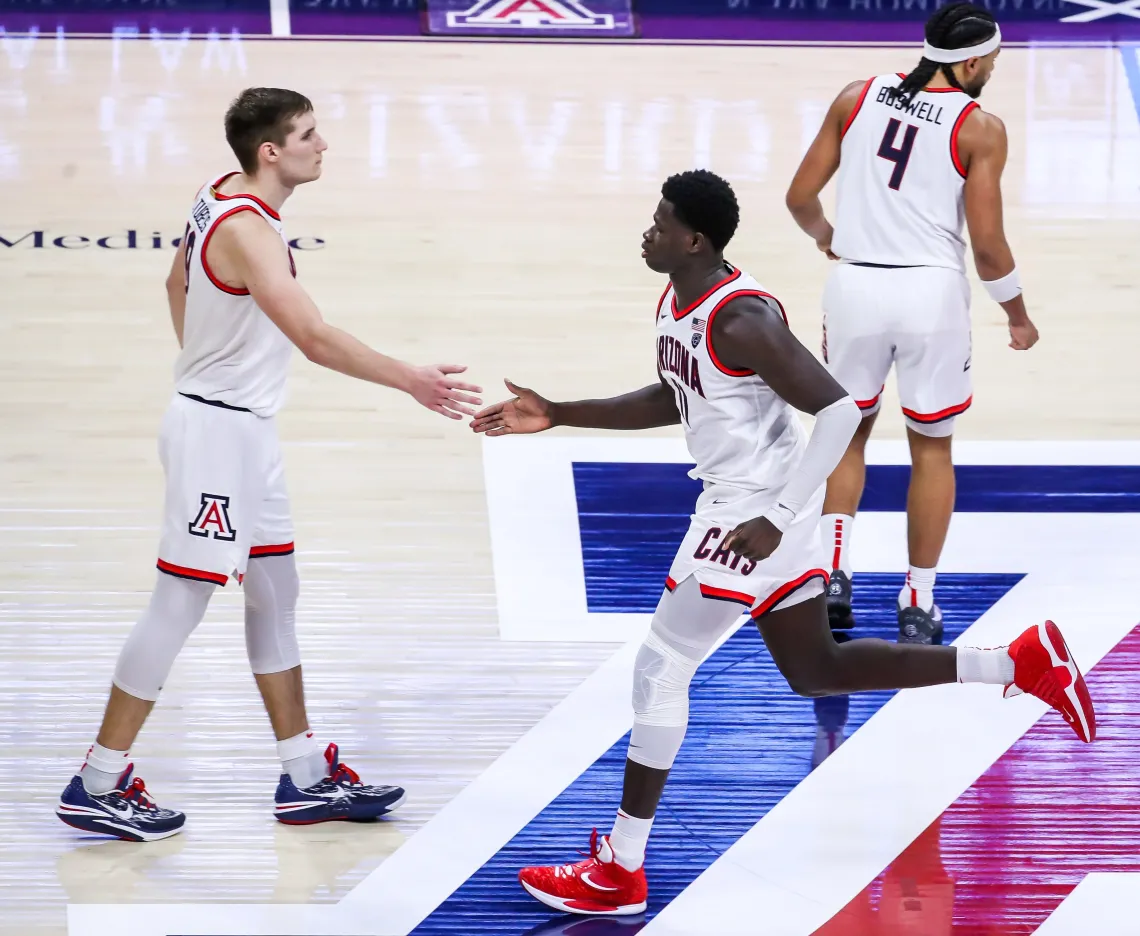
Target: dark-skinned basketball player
<point>731,372</point>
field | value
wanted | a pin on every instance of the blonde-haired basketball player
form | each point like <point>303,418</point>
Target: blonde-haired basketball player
<point>916,156</point>
<point>238,312</point>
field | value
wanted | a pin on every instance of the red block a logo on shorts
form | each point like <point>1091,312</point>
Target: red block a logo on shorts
<point>214,519</point>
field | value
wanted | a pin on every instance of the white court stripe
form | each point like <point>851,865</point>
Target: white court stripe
<point>1103,903</point>
<point>496,805</point>
<point>835,832</point>
<point>279,20</point>
<point>504,798</point>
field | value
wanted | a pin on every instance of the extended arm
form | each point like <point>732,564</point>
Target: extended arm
<point>651,406</point>
<point>259,259</point>
<point>983,145</point>
<point>751,334</point>
<point>818,166</point>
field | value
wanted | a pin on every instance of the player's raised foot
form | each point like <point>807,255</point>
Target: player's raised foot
<point>339,796</point>
<point>920,627</point>
<point>126,812</point>
<point>598,886</point>
<point>1044,667</point>
<point>839,614</point>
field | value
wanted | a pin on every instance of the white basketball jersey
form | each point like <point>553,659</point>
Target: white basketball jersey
<point>738,430</point>
<point>232,353</point>
<point>899,200</point>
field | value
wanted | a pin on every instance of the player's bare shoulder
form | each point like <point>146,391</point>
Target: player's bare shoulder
<point>981,134</point>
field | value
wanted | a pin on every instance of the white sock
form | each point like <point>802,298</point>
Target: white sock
<point>302,760</point>
<point>628,840</point>
<point>835,533</point>
<point>101,771</point>
<point>918,592</point>
<point>994,667</point>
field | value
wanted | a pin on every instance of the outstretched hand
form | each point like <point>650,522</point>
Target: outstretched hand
<point>527,412</point>
<point>434,387</point>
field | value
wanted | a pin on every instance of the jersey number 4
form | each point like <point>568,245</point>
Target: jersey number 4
<point>899,155</point>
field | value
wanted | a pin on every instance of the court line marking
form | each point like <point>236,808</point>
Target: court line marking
<point>397,895</point>
<point>280,22</point>
<point>1128,57</point>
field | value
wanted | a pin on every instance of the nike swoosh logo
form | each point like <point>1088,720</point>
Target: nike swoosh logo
<point>586,877</point>
<point>127,812</point>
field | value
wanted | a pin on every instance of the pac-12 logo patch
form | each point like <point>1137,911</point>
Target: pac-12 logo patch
<point>213,519</point>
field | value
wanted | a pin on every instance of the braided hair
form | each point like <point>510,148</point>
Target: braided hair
<point>954,26</point>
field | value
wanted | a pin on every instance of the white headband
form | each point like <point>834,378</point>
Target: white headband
<point>950,56</point>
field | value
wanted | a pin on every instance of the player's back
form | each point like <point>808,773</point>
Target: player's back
<point>900,184</point>
<point>232,353</point>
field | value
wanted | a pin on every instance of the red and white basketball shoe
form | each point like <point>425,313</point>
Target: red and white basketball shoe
<point>597,886</point>
<point>1044,667</point>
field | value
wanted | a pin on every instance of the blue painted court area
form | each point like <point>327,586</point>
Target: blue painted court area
<point>632,516</point>
<point>749,743</point>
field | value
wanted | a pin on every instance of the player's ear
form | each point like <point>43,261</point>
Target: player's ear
<point>697,243</point>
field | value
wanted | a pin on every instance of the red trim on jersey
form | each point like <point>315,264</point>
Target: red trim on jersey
<point>669,583</point>
<point>284,549</point>
<point>206,243</point>
<point>867,404</point>
<point>945,91</point>
<point>966,111</point>
<point>858,104</point>
<point>709,328</point>
<point>927,418</point>
<point>661,301</point>
<point>196,575</point>
<point>784,590</point>
<point>723,594</point>
<point>220,197</point>
<point>677,316</point>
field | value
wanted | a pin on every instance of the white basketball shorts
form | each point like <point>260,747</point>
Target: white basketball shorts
<point>226,499</point>
<point>917,318</point>
<point>793,573</point>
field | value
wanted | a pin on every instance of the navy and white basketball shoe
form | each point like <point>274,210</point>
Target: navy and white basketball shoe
<point>340,795</point>
<point>126,812</point>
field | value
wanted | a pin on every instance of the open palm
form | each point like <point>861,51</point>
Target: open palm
<point>526,413</point>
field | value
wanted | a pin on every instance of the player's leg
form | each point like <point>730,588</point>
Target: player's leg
<point>933,361</point>
<point>1038,662</point>
<point>201,450</point>
<point>858,355</point>
<point>687,624</point>
<point>310,774</point>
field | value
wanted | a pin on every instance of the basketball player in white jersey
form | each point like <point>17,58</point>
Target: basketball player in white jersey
<point>916,156</point>
<point>238,311</point>
<point>732,374</point>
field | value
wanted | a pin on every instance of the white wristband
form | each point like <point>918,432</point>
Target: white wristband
<point>780,517</point>
<point>1006,288</point>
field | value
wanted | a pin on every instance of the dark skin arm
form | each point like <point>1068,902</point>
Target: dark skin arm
<point>527,412</point>
<point>750,334</point>
<point>819,164</point>
<point>982,145</point>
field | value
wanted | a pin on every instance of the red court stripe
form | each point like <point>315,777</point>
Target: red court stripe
<point>786,589</point>
<point>196,574</point>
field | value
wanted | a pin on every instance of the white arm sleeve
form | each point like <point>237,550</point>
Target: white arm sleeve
<point>834,427</point>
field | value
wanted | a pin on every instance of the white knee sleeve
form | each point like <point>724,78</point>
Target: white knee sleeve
<point>176,607</point>
<point>271,588</point>
<point>685,627</point>
<point>661,680</point>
